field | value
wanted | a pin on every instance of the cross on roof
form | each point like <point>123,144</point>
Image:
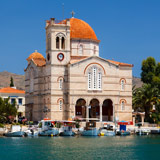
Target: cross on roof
<point>73,13</point>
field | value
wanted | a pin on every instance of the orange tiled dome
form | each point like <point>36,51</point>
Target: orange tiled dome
<point>35,55</point>
<point>81,29</point>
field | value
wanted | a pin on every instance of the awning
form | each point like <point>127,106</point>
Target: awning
<point>125,123</point>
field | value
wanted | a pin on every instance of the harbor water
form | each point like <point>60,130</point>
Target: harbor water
<point>80,148</point>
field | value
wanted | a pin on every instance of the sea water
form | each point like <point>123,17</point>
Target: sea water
<point>81,148</point>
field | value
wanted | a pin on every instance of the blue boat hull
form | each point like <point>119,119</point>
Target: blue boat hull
<point>123,133</point>
<point>15,134</point>
<point>109,133</point>
<point>67,133</point>
<point>51,132</point>
<point>92,132</point>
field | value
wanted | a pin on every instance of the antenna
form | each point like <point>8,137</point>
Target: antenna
<point>63,10</point>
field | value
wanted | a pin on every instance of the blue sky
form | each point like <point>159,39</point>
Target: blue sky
<point>129,30</point>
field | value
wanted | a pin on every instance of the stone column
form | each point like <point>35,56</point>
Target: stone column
<point>87,113</point>
<point>100,113</point>
<point>142,118</point>
<point>60,42</point>
<point>133,119</point>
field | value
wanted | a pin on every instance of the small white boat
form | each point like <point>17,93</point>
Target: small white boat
<point>66,129</point>
<point>16,131</point>
<point>91,132</point>
<point>105,132</point>
<point>31,132</point>
<point>141,132</point>
<point>90,129</point>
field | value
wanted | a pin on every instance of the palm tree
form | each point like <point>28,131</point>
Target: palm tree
<point>144,98</point>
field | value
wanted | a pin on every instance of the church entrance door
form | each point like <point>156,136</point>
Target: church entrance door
<point>80,108</point>
<point>94,110</point>
<point>107,110</point>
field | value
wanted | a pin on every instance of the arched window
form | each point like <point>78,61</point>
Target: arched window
<point>49,42</point>
<point>63,43</point>
<point>89,80</point>
<point>122,84</point>
<point>57,42</point>
<point>80,50</point>
<point>48,82</point>
<point>94,50</point>
<point>122,105</point>
<point>60,83</point>
<point>31,87</point>
<point>94,79</point>
<point>60,104</point>
<point>99,80</point>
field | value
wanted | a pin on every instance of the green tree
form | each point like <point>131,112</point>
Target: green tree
<point>148,70</point>
<point>11,82</point>
<point>144,98</point>
<point>7,110</point>
<point>151,72</point>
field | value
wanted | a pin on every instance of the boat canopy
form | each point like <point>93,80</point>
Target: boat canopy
<point>125,123</point>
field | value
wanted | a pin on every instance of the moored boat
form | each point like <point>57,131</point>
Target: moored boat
<point>16,131</point>
<point>31,132</point>
<point>141,132</point>
<point>66,129</point>
<point>46,128</point>
<point>90,129</point>
<point>91,132</point>
<point>105,132</point>
<point>123,133</point>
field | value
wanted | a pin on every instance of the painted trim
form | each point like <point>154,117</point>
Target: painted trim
<point>92,64</point>
<point>59,100</point>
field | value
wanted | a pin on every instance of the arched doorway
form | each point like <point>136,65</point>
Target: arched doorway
<point>94,110</point>
<point>107,110</point>
<point>80,108</point>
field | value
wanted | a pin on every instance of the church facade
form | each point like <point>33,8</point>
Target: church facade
<point>73,81</point>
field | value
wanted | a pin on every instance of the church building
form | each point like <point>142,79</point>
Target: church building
<point>73,81</point>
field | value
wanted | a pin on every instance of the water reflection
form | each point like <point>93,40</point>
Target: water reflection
<point>49,148</point>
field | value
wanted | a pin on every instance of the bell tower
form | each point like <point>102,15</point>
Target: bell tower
<point>57,42</point>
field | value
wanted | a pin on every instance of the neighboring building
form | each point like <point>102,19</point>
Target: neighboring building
<point>73,81</point>
<point>15,95</point>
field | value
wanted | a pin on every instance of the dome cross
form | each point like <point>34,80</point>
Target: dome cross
<point>73,13</point>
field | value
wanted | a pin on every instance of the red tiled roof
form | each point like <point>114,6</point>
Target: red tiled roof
<point>39,62</point>
<point>37,58</point>
<point>35,55</point>
<point>11,90</point>
<point>120,63</point>
<point>82,30</point>
<point>79,29</point>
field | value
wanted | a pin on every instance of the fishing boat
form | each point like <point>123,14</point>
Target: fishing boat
<point>66,129</point>
<point>122,131</point>
<point>31,132</point>
<point>90,129</point>
<point>16,131</point>
<point>46,128</point>
<point>141,132</point>
<point>107,130</point>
